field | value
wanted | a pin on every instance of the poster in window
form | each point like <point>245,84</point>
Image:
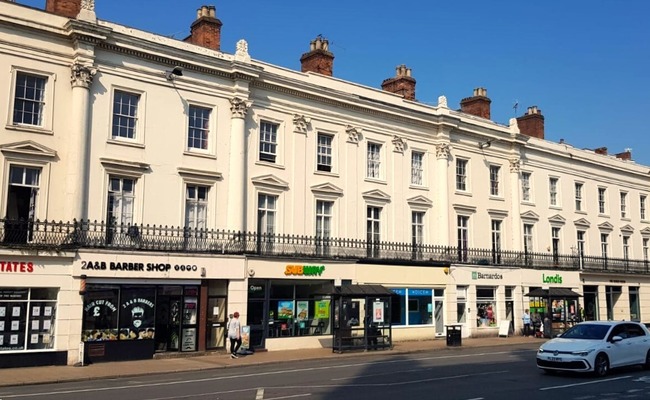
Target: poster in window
<point>3,311</point>
<point>15,312</point>
<point>36,311</point>
<point>15,325</point>
<point>285,309</point>
<point>13,339</point>
<point>2,340</point>
<point>378,311</point>
<point>46,325</point>
<point>322,309</point>
<point>36,325</point>
<point>302,310</point>
<point>137,314</point>
<point>189,311</point>
<point>47,311</point>
<point>2,326</point>
<point>34,338</point>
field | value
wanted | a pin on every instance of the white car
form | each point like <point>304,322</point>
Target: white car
<point>596,346</point>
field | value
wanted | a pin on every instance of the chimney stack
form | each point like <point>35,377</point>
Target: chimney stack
<point>319,59</point>
<point>625,156</point>
<point>532,123</point>
<point>402,84</point>
<point>64,8</point>
<point>601,150</point>
<point>478,105</point>
<point>206,30</point>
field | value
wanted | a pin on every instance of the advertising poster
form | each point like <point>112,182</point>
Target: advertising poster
<point>15,312</point>
<point>322,309</point>
<point>245,337</point>
<point>285,309</point>
<point>378,311</point>
<point>189,339</point>
<point>36,311</point>
<point>302,310</point>
<point>3,311</point>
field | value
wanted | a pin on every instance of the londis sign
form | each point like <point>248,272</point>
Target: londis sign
<point>552,279</point>
<point>304,270</point>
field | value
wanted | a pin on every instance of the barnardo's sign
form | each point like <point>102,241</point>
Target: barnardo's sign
<point>481,275</point>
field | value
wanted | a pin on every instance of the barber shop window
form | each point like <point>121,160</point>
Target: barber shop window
<point>486,307</point>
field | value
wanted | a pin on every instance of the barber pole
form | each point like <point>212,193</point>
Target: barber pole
<point>82,285</point>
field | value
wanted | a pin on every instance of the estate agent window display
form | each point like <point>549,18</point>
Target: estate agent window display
<point>27,317</point>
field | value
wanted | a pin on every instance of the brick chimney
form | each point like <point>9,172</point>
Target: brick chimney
<point>402,84</point>
<point>625,156</point>
<point>601,151</point>
<point>478,105</point>
<point>532,123</point>
<point>64,8</point>
<point>206,30</point>
<point>319,59</point>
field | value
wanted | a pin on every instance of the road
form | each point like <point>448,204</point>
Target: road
<point>455,374</point>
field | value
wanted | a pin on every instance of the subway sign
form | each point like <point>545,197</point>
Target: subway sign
<point>304,270</point>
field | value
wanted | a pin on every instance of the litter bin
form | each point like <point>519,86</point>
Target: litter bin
<point>454,335</point>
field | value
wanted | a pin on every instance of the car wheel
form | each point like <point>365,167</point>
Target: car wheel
<point>601,365</point>
<point>646,366</point>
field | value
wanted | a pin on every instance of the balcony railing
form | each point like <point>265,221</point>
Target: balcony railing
<point>56,236</point>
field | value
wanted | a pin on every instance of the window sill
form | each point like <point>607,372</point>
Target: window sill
<point>418,187</point>
<point>463,193</point>
<point>603,215</point>
<point>325,173</point>
<point>269,164</point>
<point>627,219</point>
<point>497,198</point>
<point>30,129</point>
<point>375,180</point>
<point>126,143</point>
<point>199,154</point>
<point>645,221</point>
<point>559,208</point>
<point>528,203</point>
<point>581,212</point>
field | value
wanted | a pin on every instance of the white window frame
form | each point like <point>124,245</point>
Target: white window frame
<point>604,244</point>
<point>417,227</point>
<point>646,245</point>
<point>625,239</point>
<point>417,168</point>
<point>207,131</point>
<point>623,196</point>
<point>373,160</point>
<point>495,225</point>
<point>495,180</point>
<point>461,300</point>
<point>324,218</point>
<point>528,237</point>
<point>195,206</point>
<point>47,112</point>
<point>526,187</point>
<point>267,212</point>
<point>579,196</point>
<point>462,175</point>
<point>602,200</point>
<point>324,152</point>
<point>268,142</point>
<point>554,191</point>
<point>581,242</point>
<point>642,206</point>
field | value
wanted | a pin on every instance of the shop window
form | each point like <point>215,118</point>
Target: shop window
<point>100,315</point>
<point>27,318</point>
<point>486,307</point>
<point>137,313</point>
<point>634,304</point>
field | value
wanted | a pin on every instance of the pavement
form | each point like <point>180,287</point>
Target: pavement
<point>221,359</point>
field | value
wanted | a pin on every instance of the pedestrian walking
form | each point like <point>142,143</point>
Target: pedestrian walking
<point>234,334</point>
<point>526,320</point>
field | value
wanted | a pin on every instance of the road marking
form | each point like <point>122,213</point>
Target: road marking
<point>293,396</point>
<point>269,373</point>
<point>585,383</point>
<point>260,394</point>
<point>477,398</point>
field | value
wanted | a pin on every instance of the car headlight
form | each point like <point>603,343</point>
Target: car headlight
<point>540,350</point>
<point>582,353</point>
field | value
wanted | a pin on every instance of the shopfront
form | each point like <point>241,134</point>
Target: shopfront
<point>616,297</point>
<point>31,293</point>
<point>286,307</point>
<point>140,305</point>
<point>552,299</point>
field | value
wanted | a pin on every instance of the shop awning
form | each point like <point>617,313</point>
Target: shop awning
<point>554,292</point>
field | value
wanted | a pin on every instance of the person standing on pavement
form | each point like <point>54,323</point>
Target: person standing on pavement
<point>234,334</point>
<point>526,320</point>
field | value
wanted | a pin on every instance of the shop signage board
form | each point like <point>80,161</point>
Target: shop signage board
<point>504,327</point>
<point>189,339</point>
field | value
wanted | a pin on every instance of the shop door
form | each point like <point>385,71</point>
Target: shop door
<point>216,329</point>
<point>439,317</point>
<point>168,326</point>
<point>510,305</point>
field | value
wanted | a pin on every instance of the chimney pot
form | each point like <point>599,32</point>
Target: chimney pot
<point>601,150</point>
<point>64,8</point>
<point>532,123</point>
<point>318,59</point>
<point>478,105</point>
<point>402,83</point>
<point>206,30</point>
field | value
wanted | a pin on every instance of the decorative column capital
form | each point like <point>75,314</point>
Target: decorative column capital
<point>442,151</point>
<point>515,165</point>
<point>82,75</point>
<point>238,107</point>
<point>301,123</point>
<point>399,143</point>
<point>354,134</point>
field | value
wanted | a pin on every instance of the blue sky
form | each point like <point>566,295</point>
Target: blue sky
<point>585,64</point>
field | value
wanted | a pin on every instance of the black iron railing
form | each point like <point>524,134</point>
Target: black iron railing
<point>86,234</point>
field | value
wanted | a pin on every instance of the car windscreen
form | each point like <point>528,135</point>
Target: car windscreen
<point>587,332</point>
